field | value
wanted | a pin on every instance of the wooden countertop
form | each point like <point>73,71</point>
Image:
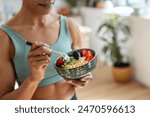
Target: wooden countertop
<point>104,87</point>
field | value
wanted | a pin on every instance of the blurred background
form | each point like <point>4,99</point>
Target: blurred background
<point>116,30</point>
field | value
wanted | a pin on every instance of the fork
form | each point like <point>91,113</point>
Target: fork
<point>62,54</point>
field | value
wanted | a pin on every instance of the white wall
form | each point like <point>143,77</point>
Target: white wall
<point>92,18</point>
<point>59,3</point>
<point>140,29</point>
<point>2,14</point>
<point>11,7</point>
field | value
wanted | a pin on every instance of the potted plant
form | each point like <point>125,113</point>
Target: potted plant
<point>99,3</point>
<point>114,32</point>
<point>75,5</point>
<point>72,3</point>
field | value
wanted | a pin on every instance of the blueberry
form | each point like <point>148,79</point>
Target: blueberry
<point>76,55</point>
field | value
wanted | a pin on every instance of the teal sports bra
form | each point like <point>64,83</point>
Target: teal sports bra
<point>20,61</point>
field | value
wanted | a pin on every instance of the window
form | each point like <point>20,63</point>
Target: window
<point>137,2</point>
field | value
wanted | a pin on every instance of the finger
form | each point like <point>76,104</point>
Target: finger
<point>41,64</point>
<point>77,83</point>
<point>87,77</point>
<point>37,60</point>
<point>40,58</point>
<point>41,51</point>
<point>68,79</point>
<point>37,44</point>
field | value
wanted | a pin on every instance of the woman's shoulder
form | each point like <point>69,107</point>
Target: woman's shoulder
<point>73,28</point>
<point>5,43</point>
<point>4,38</point>
<point>72,23</point>
<point>3,35</point>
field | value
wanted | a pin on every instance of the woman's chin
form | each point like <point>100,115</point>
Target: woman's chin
<point>44,12</point>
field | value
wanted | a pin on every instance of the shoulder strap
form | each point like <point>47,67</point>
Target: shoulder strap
<point>16,40</point>
<point>64,27</point>
<point>11,33</point>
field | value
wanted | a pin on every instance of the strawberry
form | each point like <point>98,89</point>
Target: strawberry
<point>84,53</point>
<point>89,56</point>
<point>60,62</point>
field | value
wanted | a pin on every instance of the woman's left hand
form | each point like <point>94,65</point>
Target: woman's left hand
<point>80,82</point>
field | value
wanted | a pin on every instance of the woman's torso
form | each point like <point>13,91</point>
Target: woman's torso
<point>49,34</point>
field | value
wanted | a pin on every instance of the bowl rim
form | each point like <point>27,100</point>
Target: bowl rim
<point>81,65</point>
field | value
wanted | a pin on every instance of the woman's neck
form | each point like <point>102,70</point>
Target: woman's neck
<point>30,18</point>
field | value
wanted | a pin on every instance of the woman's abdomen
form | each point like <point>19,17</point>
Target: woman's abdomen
<point>58,91</point>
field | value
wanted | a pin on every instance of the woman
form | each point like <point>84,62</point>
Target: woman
<point>32,67</point>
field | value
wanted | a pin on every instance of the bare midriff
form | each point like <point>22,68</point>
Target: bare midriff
<point>58,91</point>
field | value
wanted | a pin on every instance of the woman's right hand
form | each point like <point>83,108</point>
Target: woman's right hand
<point>39,59</point>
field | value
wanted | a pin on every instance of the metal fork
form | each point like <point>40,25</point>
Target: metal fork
<point>64,55</point>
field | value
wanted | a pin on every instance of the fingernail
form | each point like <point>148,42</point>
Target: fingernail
<point>69,81</point>
<point>83,79</point>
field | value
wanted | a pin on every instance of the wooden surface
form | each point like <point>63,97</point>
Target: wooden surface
<point>103,87</point>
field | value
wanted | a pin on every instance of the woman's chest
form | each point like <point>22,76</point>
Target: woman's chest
<point>47,35</point>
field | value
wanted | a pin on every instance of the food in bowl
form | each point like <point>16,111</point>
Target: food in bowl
<point>77,59</point>
<point>82,62</point>
<point>73,63</point>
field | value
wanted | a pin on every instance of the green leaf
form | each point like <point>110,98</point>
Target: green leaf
<point>72,2</point>
<point>124,40</point>
<point>105,49</point>
<point>104,39</point>
<point>107,25</point>
<point>112,50</point>
<point>124,28</point>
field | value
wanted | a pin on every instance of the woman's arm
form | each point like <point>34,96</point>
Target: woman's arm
<point>77,44</point>
<point>8,77</point>
<point>37,64</point>
<point>75,34</point>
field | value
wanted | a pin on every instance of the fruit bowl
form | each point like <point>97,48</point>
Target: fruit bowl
<point>76,68</point>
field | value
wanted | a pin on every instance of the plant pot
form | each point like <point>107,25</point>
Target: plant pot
<point>122,74</point>
<point>100,4</point>
<point>66,11</point>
